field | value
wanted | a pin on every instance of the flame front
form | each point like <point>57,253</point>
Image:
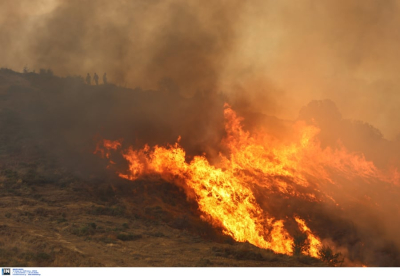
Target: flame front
<point>225,192</point>
<point>224,198</point>
<point>314,242</point>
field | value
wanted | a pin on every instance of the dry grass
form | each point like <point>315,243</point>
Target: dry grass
<point>52,214</point>
<point>67,228</point>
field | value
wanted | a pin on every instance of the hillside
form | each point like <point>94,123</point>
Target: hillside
<point>59,204</point>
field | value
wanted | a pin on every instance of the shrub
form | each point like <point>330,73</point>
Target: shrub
<point>125,225</point>
<point>300,244</point>
<point>108,211</point>
<point>83,231</point>
<point>204,263</point>
<point>327,256</point>
<point>61,220</point>
<point>128,237</point>
<point>93,225</point>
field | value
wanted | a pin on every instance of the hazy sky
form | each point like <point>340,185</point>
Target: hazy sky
<point>279,54</point>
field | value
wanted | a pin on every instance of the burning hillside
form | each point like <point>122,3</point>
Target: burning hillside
<point>292,187</point>
<point>238,193</point>
<point>230,103</point>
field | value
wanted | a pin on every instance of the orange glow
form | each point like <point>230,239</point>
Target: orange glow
<point>315,243</point>
<point>104,147</point>
<point>225,191</point>
<point>223,198</point>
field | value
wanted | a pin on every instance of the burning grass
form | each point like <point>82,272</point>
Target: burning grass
<point>299,170</point>
<point>182,202</point>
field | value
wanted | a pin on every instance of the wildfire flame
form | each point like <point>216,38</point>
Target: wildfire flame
<point>314,241</point>
<point>104,147</point>
<point>225,191</point>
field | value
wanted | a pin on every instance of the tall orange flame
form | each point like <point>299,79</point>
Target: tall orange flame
<point>225,191</point>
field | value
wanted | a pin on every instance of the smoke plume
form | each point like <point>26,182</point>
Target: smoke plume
<point>273,61</point>
<point>281,55</point>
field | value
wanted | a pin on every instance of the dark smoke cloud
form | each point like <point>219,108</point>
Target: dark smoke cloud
<point>269,57</point>
<point>139,43</point>
<point>280,54</point>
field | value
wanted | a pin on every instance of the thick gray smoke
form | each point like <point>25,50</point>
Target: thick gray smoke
<point>269,58</point>
<point>139,43</point>
<point>346,51</point>
<point>279,54</point>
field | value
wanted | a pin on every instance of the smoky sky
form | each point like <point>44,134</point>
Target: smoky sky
<point>275,55</point>
<point>139,43</point>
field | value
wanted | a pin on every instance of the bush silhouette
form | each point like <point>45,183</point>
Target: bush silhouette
<point>300,244</point>
<point>326,255</point>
